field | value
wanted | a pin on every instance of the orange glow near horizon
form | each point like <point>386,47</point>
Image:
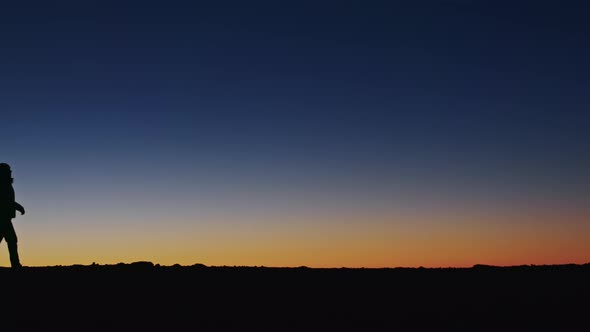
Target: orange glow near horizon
<point>352,243</point>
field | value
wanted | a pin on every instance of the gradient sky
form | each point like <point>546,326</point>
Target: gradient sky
<point>288,133</point>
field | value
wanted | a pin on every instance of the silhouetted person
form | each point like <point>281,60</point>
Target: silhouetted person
<point>8,208</point>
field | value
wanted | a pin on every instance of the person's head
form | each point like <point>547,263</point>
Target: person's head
<point>5,173</point>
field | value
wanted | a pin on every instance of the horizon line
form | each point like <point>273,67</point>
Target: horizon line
<point>200,265</point>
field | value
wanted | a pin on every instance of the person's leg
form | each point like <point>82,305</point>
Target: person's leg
<point>2,230</point>
<point>3,224</point>
<point>12,242</point>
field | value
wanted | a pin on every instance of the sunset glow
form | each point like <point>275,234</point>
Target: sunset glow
<point>387,135</point>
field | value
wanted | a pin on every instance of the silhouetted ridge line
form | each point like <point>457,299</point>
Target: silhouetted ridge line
<point>144,266</point>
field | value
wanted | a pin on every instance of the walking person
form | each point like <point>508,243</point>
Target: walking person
<point>8,208</point>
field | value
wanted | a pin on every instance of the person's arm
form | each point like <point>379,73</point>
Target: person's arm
<point>19,208</point>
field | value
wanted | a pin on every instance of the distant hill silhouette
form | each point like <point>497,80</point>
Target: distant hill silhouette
<point>143,295</point>
<point>147,266</point>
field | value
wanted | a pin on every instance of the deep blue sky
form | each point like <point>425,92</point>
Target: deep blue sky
<point>181,107</point>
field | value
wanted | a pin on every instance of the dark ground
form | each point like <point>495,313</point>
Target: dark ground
<point>143,296</point>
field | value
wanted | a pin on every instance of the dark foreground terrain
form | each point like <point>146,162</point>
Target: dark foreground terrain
<point>143,296</point>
